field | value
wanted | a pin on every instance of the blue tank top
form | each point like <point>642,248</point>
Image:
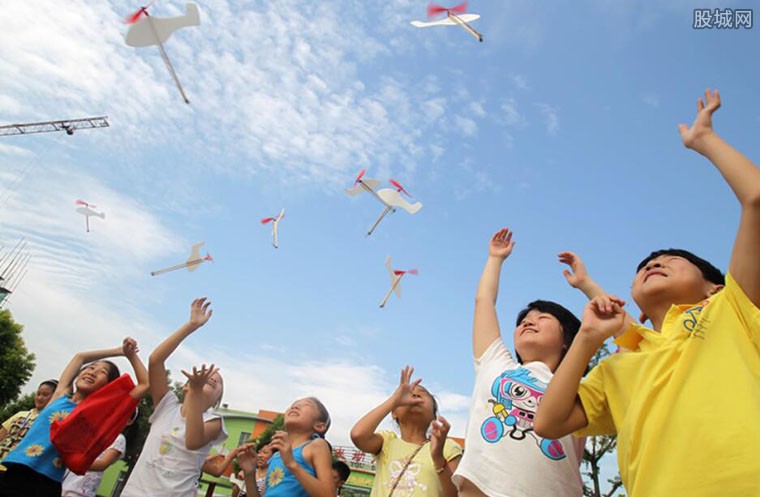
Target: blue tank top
<point>280,481</point>
<point>35,450</point>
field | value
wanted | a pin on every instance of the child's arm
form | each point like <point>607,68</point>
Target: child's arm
<point>363,433</point>
<point>75,364</point>
<point>199,315</point>
<point>247,461</point>
<point>744,179</point>
<point>130,350</point>
<point>579,278</point>
<point>561,411</point>
<point>485,328</point>
<point>103,462</point>
<point>443,468</point>
<point>317,453</point>
<point>217,469</point>
<point>197,432</point>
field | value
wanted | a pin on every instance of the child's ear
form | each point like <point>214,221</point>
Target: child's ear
<point>713,290</point>
<point>320,427</point>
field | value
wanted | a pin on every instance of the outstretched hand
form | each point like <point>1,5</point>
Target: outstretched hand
<point>501,244</point>
<point>702,125</point>
<point>403,394</point>
<point>246,458</point>
<point>439,430</point>
<point>602,318</point>
<point>577,275</point>
<point>200,312</point>
<point>199,377</point>
<point>129,347</point>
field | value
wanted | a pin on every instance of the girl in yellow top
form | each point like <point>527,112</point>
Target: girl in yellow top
<point>421,462</point>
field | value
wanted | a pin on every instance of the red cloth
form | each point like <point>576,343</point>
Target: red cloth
<point>94,424</point>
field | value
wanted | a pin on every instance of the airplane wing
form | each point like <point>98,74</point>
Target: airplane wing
<point>446,21</point>
<point>195,258</point>
<point>357,189</point>
<point>142,34</point>
<point>394,199</point>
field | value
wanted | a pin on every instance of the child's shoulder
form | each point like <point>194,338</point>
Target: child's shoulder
<point>316,446</point>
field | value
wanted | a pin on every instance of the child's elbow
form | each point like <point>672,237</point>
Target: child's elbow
<point>544,427</point>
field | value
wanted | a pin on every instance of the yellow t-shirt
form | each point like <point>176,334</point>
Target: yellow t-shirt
<point>419,479</point>
<point>686,403</point>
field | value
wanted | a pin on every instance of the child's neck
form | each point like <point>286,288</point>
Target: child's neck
<point>551,361</point>
<point>78,397</point>
<point>299,438</point>
<point>413,433</point>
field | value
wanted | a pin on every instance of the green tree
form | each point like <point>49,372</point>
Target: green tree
<point>23,403</point>
<point>16,362</point>
<point>598,449</point>
<point>278,423</point>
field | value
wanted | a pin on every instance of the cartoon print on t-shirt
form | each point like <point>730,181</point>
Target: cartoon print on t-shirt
<point>517,395</point>
<point>407,480</point>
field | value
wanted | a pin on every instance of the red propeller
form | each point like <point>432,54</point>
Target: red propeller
<point>267,220</point>
<point>82,202</point>
<point>399,187</point>
<point>434,9</point>
<point>410,271</point>
<point>208,257</point>
<point>359,178</point>
<point>135,16</point>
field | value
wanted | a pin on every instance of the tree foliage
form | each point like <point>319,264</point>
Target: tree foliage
<point>24,403</point>
<point>16,362</point>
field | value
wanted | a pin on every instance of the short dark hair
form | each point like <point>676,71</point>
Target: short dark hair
<point>567,320</point>
<point>51,383</point>
<point>113,369</point>
<point>324,416</point>
<point>343,470</point>
<point>709,272</point>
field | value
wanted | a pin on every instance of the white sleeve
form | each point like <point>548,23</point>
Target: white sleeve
<point>168,401</point>
<point>496,352</point>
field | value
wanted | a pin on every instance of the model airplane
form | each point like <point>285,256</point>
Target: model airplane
<point>391,198</point>
<point>192,262</point>
<point>455,16</point>
<point>146,31</point>
<point>87,210</point>
<point>396,276</point>
<point>275,223</point>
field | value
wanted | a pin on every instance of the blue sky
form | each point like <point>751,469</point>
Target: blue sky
<point>561,126</point>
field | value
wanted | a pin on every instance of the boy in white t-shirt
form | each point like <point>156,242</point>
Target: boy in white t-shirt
<point>503,456</point>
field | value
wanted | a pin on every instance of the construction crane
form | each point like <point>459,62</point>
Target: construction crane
<point>13,269</point>
<point>67,125</point>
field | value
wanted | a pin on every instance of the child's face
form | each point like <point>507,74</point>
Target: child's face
<point>672,279</point>
<point>424,411</point>
<point>92,377</point>
<point>42,397</point>
<point>336,478</point>
<point>263,455</point>
<point>538,334</point>
<point>304,415</point>
<point>213,389</point>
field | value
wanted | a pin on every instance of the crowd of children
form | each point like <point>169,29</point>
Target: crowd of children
<point>529,412</point>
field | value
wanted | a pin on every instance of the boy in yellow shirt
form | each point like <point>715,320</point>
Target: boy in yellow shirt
<point>685,403</point>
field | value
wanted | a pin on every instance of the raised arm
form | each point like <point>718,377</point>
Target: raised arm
<point>485,327</point>
<point>561,411</point>
<point>577,277</point>
<point>199,315</point>
<point>75,365</point>
<point>744,179</point>
<point>443,468</point>
<point>217,469</point>
<point>247,461</point>
<point>197,432</point>
<point>363,433</point>
<point>130,350</point>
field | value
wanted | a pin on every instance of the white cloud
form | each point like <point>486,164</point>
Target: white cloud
<point>519,81</point>
<point>551,118</point>
<point>510,115</point>
<point>651,100</point>
<point>467,126</point>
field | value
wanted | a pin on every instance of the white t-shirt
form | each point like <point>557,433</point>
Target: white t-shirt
<point>166,467</point>
<point>86,485</point>
<point>503,456</point>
